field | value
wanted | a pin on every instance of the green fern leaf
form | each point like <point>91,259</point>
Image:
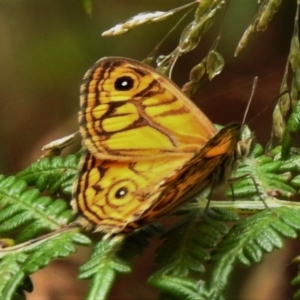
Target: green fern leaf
<point>181,288</point>
<point>111,257</point>
<point>296,182</point>
<point>185,246</point>
<point>291,131</point>
<point>248,240</point>
<point>103,267</point>
<point>261,176</point>
<point>292,164</point>
<point>185,249</point>
<point>29,212</point>
<point>52,174</point>
<point>219,214</point>
<point>17,262</point>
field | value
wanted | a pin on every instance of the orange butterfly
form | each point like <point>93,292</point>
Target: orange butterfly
<point>148,147</point>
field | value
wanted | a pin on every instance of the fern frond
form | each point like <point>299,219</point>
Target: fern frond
<point>291,131</point>
<point>103,267</point>
<point>28,211</point>
<point>181,288</point>
<point>261,176</point>
<point>52,174</point>
<point>292,164</point>
<point>248,240</point>
<point>113,256</point>
<point>17,262</point>
<point>185,249</point>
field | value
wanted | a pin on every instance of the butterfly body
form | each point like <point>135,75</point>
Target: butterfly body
<point>148,147</point>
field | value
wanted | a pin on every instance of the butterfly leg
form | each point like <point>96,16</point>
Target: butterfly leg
<point>236,179</point>
<point>212,188</point>
<point>231,181</point>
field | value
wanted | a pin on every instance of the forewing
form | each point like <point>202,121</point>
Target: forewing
<point>129,111</point>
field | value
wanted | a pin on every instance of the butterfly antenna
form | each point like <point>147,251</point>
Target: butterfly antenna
<point>265,108</point>
<point>269,104</point>
<point>250,100</point>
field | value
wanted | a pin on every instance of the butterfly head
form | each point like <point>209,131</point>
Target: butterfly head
<point>246,143</point>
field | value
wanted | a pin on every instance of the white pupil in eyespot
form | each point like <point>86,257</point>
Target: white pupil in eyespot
<point>121,193</point>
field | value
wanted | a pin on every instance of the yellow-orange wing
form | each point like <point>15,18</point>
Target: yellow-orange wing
<point>110,196</point>
<point>129,111</point>
<point>149,148</point>
<point>119,196</point>
<point>211,167</point>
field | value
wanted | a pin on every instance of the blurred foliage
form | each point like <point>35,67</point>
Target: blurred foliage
<point>46,47</point>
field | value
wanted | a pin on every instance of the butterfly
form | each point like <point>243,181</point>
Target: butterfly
<point>148,147</point>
